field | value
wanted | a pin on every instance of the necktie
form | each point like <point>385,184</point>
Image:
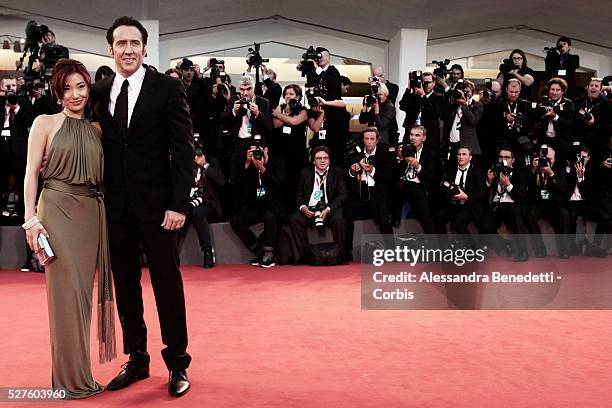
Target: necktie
<point>462,179</point>
<point>11,117</point>
<point>121,106</point>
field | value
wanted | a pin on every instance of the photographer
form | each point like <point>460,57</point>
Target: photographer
<point>461,117</point>
<point>246,116</point>
<point>195,93</point>
<point>271,90</point>
<point>489,123</point>
<point>288,141</point>
<point>418,173</point>
<point>515,66</point>
<point>507,188</point>
<point>371,173</point>
<point>580,197</point>
<point>465,192</point>
<point>556,119</point>
<point>205,204</point>
<point>455,73</point>
<point>263,180</point>
<point>214,105</point>
<point>593,123</point>
<point>560,63</point>
<point>378,111</point>
<point>378,74</point>
<point>322,127</point>
<point>17,119</point>
<point>423,106</point>
<point>603,195</point>
<point>545,192</point>
<point>320,196</point>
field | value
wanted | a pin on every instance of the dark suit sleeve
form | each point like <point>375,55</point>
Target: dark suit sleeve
<point>274,174</point>
<point>180,137</point>
<point>300,191</point>
<point>342,193</point>
<point>473,113</point>
<point>405,101</point>
<point>264,119</point>
<point>214,172</point>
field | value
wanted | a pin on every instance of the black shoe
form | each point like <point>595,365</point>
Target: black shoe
<point>540,253</point>
<point>521,256</point>
<point>178,384</point>
<point>267,260</point>
<point>130,373</point>
<point>27,267</point>
<point>255,261</point>
<point>208,259</point>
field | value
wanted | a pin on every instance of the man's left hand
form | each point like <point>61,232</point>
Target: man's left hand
<point>173,220</point>
<point>254,109</point>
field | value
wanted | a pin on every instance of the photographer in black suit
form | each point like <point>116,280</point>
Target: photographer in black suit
<point>148,153</point>
<point>379,74</point>
<point>423,107</point>
<point>378,111</point>
<point>271,90</point>
<point>560,63</point>
<point>465,192</point>
<point>556,119</point>
<point>593,124</point>
<point>370,175</point>
<point>416,178</point>
<point>321,188</point>
<point>263,182</point>
<point>507,189</point>
<point>17,118</point>
<point>546,189</point>
<point>248,115</point>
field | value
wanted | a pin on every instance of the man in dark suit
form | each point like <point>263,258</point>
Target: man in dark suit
<point>423,107</point>
<point>243,124</point>
<point>319,186</point>
<point>417,176</point>
<point>17,118</point>
<point>148,151</point>
<point>272,91</point>
<point>466,205</point>
<point>369,181</point>
<point>560,63</point>
<point>379,72</point>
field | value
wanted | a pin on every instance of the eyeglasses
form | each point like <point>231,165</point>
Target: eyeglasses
<point>322,158</point>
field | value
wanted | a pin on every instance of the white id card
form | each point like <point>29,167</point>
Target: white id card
<point>261,192</point>
<point>287,130</point>
<point>545,194</point>
<point>322,134</point>
<point>562,72</point>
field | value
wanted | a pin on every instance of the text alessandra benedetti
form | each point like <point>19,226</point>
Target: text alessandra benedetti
<point>493,277</point>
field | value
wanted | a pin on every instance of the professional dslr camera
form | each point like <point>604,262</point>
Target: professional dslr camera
<point>307,64</point>
<point>542,159</point>
<point>459,91</point>
<point>244,107</point>
<point>217,69</point>
<point>501,168</point>
<point>415,79</point>
<point>254,57</point>
<point>449,189</point>
<point>258,153</point>
<point>576,148</point>
<point>442,69</point>
<point>507,66</point>
<point>11,98</point>
<point>295,106</point>
<point>487,92</point>
<point>372,96</point>
<point>353,153</point>
<point>408,150</point>
<point>316,91</point>
<point>547,106</point>
<point>317,209</point>
<point>553,50</point>
<point>584,116</point>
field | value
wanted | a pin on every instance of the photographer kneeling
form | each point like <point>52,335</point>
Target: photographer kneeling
<point>263,179</point>
<point>205,204</point>
<point>320,196</point>
<point>378,111</point>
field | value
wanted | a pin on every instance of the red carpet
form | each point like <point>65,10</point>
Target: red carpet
<point>296,337</point>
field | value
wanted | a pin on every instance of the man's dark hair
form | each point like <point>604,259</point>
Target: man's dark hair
<point>465,146</point>
<point>559,81</point>
<point>507,149</point>
<point>127,21</point>
<point>564,39</point>
<point>321,49</point>
<point>345,80</point>
<point>104,70</point>
<point>318,149</point>
<point>459,67</point>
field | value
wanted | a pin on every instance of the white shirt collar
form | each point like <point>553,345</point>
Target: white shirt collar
<point>133,79</point>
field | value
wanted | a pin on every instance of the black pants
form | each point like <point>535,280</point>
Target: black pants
<point>11,165</point>
<point>459,216</point>
<point>557,215</point>
<point>237,172</point>
<point>375,207</point>
<point>162,254</point>
<point>589,212</point>
<point>415,193</point>
<point>299,223</point>
<point>253,214</point>
<point>199,217</point>
<point>511,215</point>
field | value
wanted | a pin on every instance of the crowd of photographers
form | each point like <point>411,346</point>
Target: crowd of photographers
<point>484,156</point>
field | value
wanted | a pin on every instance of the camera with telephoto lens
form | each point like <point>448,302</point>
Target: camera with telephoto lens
<point>459,91</point>
<point>501,168</point>
<point>576,148</point>
<point>372,96</point>
<point>258,151</point>
<point>254,58</point>
<point>507,66</point>
<point>217,69</point>
<point>314,92</point>
<point>519,123</point>
<point>414,77</point>
<point>295,106</point>
<point>542,159</point>
<point>449,189</point>
<point>441,71</point>
<point>317,209</point>
<point>307,64</point>
<point>243,108</point>
<point>408,150</point>
<point>584,116</point>
<point>353,153</point>
<point>196,199</point>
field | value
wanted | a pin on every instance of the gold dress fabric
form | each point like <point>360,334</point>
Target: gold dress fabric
<point>72,212</point>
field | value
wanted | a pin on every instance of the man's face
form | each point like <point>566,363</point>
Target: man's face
<point>49,38</point>
<point>246,92</point>
<point>127,50</point>
<point>513,91</point>
<point>417,137</point>
<point>594,89</point>
<point>188,74</point>
<point>428,83</point>
<point>505,155</point>
<point>555,92</point>
<point>9,85</point>
<point>321,161</point>
<point>378,72</point>
<point>369,140</point>
<point>324,61</point>
<point>563,47</point>
<point>463,157</point>
<point>455,75</point>
<point>496,88</point>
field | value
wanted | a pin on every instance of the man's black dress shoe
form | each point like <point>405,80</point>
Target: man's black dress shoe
<point>178,384</point>
<point>130,373</point>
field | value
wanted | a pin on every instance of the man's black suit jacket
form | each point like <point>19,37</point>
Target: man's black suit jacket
<point>430,169</point>
<point>262,124</point>
<point>149,167</point>
<point>430,108</point>
<point>271,180</point>
<point>336,193</point>
<point>20,129</point>
<point>518,179</point>
<point>475,188</point>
